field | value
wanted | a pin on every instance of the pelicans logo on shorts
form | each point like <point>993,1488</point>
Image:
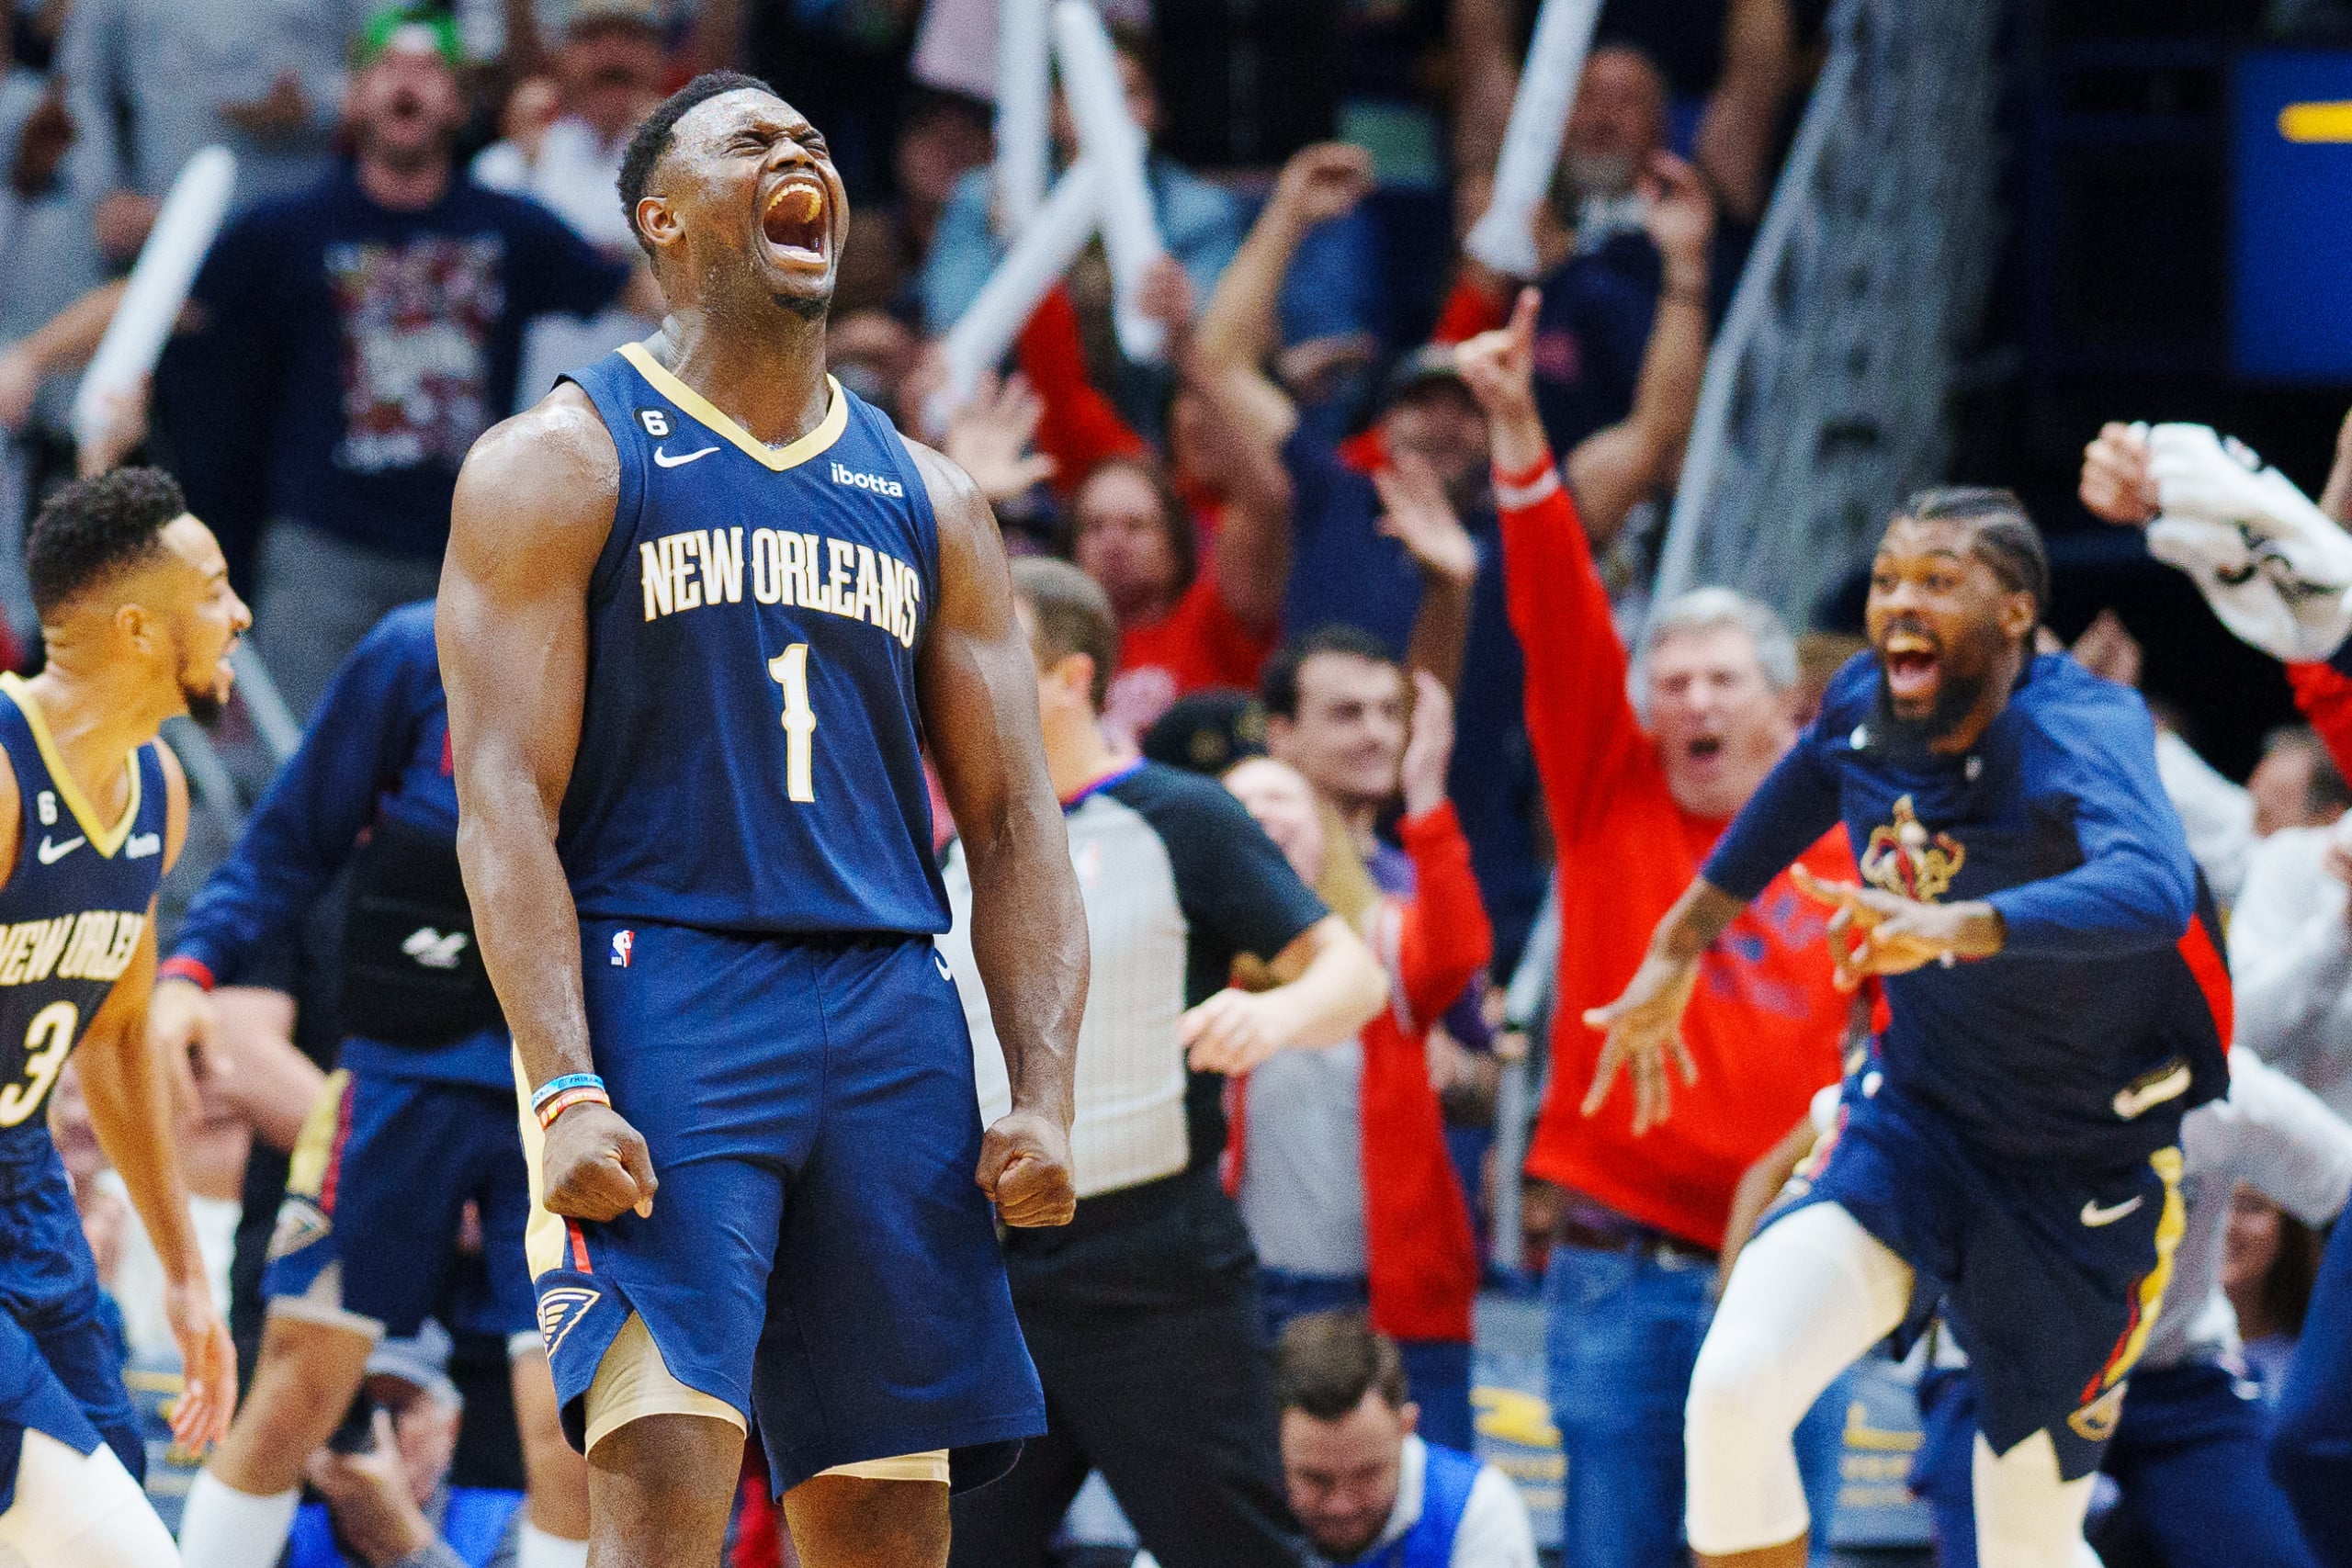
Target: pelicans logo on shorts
<point>561,1308</point>
<point>299,1222</point>
<point>1904,859</point>
<point>2095,1422</point>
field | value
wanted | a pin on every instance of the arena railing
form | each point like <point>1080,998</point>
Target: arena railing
<point>1824,401</point>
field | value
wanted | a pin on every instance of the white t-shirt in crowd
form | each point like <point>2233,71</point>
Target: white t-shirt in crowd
<point>2290,965</point>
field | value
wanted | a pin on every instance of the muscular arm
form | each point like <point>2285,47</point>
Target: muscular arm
<point>129,1092</point>
<point>130,1110</point>
<point>534,507</point>
<point>976,682</point>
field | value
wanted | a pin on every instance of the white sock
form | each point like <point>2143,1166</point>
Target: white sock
<point>223,1527</point>
<point>537,1549</point>
<point>79,1511</point>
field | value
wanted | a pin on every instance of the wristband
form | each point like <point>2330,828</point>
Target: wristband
<point>585,1094</point>
<point>181,967</point>
<point>556,1086</point>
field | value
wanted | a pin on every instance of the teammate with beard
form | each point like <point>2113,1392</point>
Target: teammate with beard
<point>139,618</point>
<point>703,611</point>
<point>2055,1001</point>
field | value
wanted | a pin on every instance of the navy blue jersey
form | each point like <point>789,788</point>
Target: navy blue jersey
<point>750,751</point>
<point>2105,1014</point>
<point>374,756</point>
<point>73,909</point>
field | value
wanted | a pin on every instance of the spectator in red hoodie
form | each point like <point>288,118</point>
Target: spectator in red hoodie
<point>1637,797</point>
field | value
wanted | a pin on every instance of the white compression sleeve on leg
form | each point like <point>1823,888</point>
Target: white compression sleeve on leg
<point>537,1549</point>
<point>80,1511</point>
<point>1805,1299</point>
<point>2026,1517</point>
<point>223,1527</point>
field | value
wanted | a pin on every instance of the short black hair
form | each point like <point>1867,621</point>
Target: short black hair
<point>652,138</point>
<point>1326,1361</point>
<point>95,527</point>
<point>1278,682</point>
<point>2006,539</point>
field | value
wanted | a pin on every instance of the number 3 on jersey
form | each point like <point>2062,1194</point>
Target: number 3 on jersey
<point>46,1045</point>
<point>790,670</point>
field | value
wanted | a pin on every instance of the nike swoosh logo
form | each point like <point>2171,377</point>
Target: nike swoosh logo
<point>663,459</point>
<point>2144,1097</point>
<point>2094,1216</point>
<point>50,854</point>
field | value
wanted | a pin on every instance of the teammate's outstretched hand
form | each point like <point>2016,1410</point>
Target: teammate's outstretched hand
<point>1024,1169</point>
<point>208,1366</point>
<point>1644,1026</point>
<point>596,1165</point>
<point>1873,932</point>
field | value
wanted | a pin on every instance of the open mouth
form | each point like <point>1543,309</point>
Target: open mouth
<point>1705,749</point>
<point>794,219</point>
<point>1914,665</point>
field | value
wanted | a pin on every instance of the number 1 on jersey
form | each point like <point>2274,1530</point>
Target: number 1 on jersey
<point>790,670</point>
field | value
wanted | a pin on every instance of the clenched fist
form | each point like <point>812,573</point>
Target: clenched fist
<point>596,1165</point>
<point>1024,1169</point>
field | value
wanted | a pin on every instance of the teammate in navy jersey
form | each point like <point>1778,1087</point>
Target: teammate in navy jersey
<point>703,611</point>
<point>2056,1002</point>
<point>138,617</point>
<point>417,1121</point>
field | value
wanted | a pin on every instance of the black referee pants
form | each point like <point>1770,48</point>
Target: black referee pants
<point>1142,1316</point>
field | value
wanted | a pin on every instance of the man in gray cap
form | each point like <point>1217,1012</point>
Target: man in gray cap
<point>385,1476</point>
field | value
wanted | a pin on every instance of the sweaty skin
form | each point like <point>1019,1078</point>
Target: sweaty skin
<point>535,504</point>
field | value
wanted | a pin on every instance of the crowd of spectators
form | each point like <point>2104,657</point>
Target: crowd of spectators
<point>1358,549</point>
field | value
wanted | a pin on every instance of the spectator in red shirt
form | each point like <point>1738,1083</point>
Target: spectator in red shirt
<point>1636,799</point>
<point>1184,624</point>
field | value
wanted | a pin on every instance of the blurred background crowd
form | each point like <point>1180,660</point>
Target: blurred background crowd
<point>1292,516</point>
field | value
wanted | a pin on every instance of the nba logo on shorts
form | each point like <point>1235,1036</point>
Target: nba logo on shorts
<point>622,943</point>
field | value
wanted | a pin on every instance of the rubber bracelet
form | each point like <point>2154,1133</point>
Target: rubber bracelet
<point>562,1103</point>
<point>567,1099</point>
<point>556,1086</point>
<point>193,970</point>
<point>547,1108</point>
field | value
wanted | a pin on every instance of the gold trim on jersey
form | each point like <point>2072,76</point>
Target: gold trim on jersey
<point>778,459</point>
<point>106,840</point>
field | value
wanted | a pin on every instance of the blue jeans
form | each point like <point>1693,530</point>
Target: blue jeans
<point>1437,1371</point>
<point>1621,1333</point>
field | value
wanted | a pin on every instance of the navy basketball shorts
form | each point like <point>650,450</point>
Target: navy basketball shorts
<point>371,1235</point>
<point>818,1260</point>
<point>61,1361</point>
<point>2050,1276</point>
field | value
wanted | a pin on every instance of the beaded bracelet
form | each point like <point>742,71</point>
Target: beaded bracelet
<point>556,1086</point>
<point>586,1094</point>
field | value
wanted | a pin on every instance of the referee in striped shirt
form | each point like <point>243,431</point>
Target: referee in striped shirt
<point>1142,1312</point>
